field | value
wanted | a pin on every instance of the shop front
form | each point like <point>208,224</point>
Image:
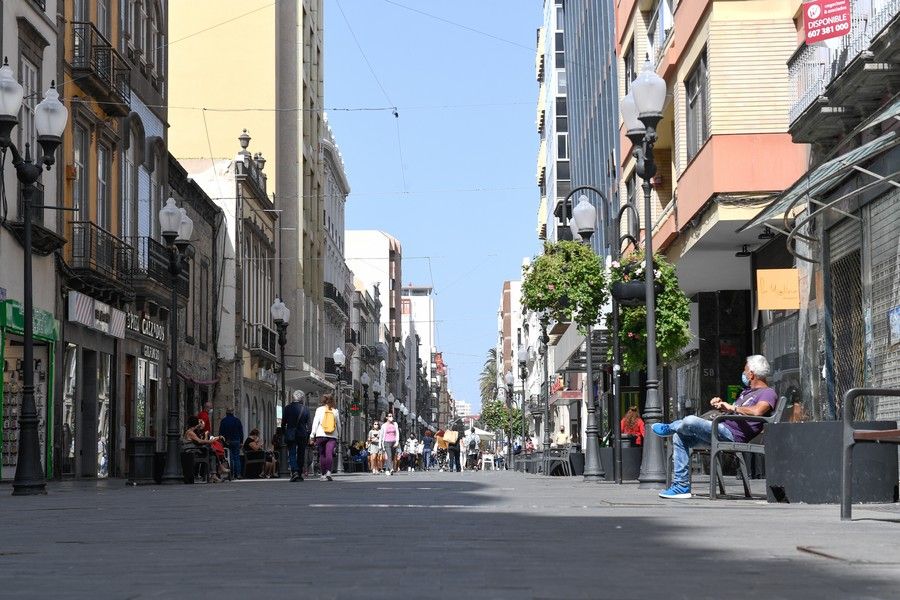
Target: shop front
<point>88,410</point>
<point>46,335</point>
<point>144,388</point>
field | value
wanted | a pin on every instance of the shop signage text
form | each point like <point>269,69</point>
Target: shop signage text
<point>96,315</point>
<point>151,352</point>
<point>826,19</point>
<point>143,325</point>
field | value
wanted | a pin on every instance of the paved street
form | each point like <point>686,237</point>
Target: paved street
<point>503,534</point>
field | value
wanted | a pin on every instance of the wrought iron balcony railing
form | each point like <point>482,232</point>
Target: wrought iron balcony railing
<point>95,250</point>
<point>259,338</point>
<point>151,263</point>
<point>100,69</point>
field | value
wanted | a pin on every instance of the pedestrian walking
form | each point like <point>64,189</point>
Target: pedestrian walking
<point>232,430</point>
<point>390,442</point>
<point>296,434</point>
<point>453,448</point>
<point>411,446</point>
<point>374,447</point>
<point>326,428</point>
<point>472,448</point>
<point>427,446</point>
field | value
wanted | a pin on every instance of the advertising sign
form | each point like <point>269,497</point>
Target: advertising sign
<point>825,19</point>
<point>777,289</point>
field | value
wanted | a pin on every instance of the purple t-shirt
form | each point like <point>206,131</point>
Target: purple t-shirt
<point>744,431</point>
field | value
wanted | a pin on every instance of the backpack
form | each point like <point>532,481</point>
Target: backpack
<point>328,422</point>
<point>473,444</point>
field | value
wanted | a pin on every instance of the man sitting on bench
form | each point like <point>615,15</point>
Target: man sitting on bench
<point>757,399</point>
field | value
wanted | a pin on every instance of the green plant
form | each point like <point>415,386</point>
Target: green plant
<point>495,416</point>
<point>487,381</point>
<point>567,283</point>
<point>672,313</point>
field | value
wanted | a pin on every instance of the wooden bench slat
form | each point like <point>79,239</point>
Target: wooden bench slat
<point>880,435</point>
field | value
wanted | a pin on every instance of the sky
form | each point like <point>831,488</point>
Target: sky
<point>453,175</point>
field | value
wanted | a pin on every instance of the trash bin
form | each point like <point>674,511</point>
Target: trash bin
<point>576,461</point>
<point>141,457</point>
<point>187,466</point>
<point>159,466</point>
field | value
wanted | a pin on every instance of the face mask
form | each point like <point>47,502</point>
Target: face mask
<point>745,380</point>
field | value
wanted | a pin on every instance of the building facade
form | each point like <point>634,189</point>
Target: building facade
<point>282,73</point>
<point>838,224</point>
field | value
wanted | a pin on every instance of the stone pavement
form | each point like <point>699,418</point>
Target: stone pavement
<point>435,535</point>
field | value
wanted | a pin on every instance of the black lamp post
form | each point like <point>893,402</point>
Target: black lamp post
<point>545,340</point>
<point>50,118</point>
<point>642,111</point>
<point>365,381</point>
<point>509,379</point>
<point>176,228</point>
<point>281,316</point>
<point>523,373</point>
<point>339,359</point>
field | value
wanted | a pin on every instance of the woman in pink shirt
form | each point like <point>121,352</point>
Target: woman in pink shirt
<point>390,441</point>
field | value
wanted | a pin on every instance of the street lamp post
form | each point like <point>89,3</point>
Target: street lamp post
<point>365,381</point>
<point>339,359</point>
<point>281,315</point>
<point>545,340</point>
<point>50,118</point>
<point>176,228</point>
<point>509,407</point>
<point>642,111</point>
<point>523,373</point>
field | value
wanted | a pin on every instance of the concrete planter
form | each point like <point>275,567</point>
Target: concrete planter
<point>803,464</point>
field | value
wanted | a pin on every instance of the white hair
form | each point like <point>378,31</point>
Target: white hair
<point>759,366</point>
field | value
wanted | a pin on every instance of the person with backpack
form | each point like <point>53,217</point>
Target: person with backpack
<point>390,442</point>
<point>472,442</point>
<point>326,428</point>
<point>296,434</point>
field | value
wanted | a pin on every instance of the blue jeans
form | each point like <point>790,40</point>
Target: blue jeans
<point>292,457</point>
<point>426,459</point>
<point>691,432</point>
<point>234,453</point>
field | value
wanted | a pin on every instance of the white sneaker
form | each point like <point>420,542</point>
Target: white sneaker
<point>322,478</point>
<point>390,473</point>
<point>328,476</point>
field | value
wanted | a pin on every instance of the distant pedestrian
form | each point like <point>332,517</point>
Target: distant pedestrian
<point>203,415</point>
<point>472,448</point>
<point>411,446</point>
<point>453,448</point>
<point>326,428</point>
<point>390,443</point>
<point>427,447</point>
<point>374,447</point>
<point>232,430</point>
<point>296,434</point>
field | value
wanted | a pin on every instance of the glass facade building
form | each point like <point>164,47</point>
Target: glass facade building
<point>593,113</point>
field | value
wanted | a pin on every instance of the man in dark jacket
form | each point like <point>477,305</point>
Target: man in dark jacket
<point>232,430</point>
<point>295,420</point>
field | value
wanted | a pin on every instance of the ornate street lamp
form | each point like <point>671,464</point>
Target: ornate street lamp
<point>50,118</point>
<point>509,379</point>
<point>339,359</point>
<point>281,316</point>
<point>523,374</point>
<point>365,381</point>
<point>176,228</point>
<point>642,110</point>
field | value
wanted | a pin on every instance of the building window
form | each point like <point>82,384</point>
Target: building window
<point>562,149</point>
<point>562,115</point>
<point>31,84</point>
<point>559,54</point>
<point>628,59</point>
<point>81,142</point>
<point>103,182</point>
<point>697,109</point>
<point>128,227</point>
<point>204,302</point>
<point>103,18</point>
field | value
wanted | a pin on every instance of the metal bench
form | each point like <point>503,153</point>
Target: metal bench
<point>754,446</point>
<point>852,436</point>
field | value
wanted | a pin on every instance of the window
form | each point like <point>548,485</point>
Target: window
<point>191,305</point>
<point>31,84</point>
<point>629,66</point>
<point>204,302</point>
<point>562,150</point>
<point>697,109</point>
<point>81,142</point>
<point>128,180</point>
<point>103,18</point>
<point>562,112</point>
<point>103,183</point>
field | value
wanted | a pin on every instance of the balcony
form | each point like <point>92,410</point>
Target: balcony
<point>248,170</point>
<point>351,336</point>
<point>659,30</point>
<point>99,259</point>
<point>834,88</point>
<point>100,70</point>
<point>261,341</point>
<point>44,241</point>
<point>336,299</point>
<point>151,270</point>
<point>331,371</point>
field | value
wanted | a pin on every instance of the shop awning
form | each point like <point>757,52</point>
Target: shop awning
<point>818,181</point>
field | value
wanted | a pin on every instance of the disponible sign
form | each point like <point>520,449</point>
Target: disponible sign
<point>826,19</point>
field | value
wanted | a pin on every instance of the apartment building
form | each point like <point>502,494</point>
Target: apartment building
<point>838,224</point>
<point>280,70</point>
<point>724,149</point>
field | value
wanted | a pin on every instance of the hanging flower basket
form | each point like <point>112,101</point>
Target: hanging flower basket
<point>672,310</point>
<point>567,283</point>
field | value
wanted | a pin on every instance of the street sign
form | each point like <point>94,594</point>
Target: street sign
<point>825,19</point>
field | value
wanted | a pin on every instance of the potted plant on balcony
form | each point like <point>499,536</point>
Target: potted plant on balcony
<point>672,310</point>
<point>567,283</point>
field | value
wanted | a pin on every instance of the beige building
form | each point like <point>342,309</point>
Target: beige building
<point>261,66</point>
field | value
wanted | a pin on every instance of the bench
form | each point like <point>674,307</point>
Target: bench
<point>254,462</point>
<point>754,446</point>
<point>852,436</point>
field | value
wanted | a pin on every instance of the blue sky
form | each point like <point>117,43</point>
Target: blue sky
<point>458,189</point>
